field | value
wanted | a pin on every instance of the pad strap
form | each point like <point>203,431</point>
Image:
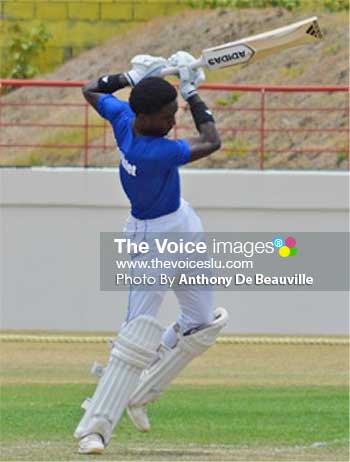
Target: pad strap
<point>172,360</point>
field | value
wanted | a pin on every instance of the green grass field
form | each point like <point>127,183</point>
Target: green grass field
<point>236,402</point>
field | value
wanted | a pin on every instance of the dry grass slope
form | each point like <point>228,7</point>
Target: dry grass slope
<point>325,63</point>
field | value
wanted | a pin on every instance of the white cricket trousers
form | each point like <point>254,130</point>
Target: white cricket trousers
<point>196,302</point>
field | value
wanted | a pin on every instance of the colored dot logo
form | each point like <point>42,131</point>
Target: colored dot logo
<point>286,247</point>
<point>278,242</point>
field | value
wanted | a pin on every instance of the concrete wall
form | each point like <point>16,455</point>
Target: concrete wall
<point>50,225</point>
<point>77,25</point>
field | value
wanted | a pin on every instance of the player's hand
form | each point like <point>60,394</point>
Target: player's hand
<point>189,78</point>
<point>180,59</point>
<point>189,81</point>
<point>143,66</point>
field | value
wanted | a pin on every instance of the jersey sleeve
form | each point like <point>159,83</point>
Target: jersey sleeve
<point>173,153</point>
<point>110,107</point>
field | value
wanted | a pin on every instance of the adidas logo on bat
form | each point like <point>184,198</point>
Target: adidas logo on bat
<point>227,58</point>
<point>314,30</point>
<point>221,58</point>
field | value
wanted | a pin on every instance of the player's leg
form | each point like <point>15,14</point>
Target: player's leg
<point>145,298</point>
<point>170,361</point>
<point>134,349</point>
<point>196,322</point>
<point>197,310</point>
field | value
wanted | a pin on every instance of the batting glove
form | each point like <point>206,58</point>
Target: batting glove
<point>189,78</point>
<point>181,59</point>
<point>144,66</point>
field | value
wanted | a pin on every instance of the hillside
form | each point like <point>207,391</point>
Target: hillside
<point>325,63</point>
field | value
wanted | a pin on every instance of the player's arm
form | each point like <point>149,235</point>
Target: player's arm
<point>141,66</point>
<point>208,140</point>
<point>93,90</point>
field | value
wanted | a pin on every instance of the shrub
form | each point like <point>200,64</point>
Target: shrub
<point>24,46</point>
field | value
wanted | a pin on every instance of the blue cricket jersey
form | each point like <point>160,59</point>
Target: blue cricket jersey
<point>149,164</point>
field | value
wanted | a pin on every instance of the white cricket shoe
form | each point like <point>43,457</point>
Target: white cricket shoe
<point>91,444</point>
<point>138,416</point>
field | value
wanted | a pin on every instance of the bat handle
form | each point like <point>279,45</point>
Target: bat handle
<point>169,71</point>
<point>175,70</point>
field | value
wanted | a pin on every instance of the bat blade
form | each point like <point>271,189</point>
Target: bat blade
<point>258,46</point>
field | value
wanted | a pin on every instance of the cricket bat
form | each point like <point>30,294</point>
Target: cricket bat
<point>251,48</point>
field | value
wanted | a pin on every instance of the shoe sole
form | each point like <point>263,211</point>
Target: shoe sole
<point>91,451</point>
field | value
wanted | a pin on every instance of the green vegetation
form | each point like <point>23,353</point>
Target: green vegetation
<point>293,72</point>
<point>238,148</point>
<point>332,49</point>
<point>23,47</point>
<point>302,5</point>
<point>229,100</point>
<point>58,155</point>
<point>341,156</point>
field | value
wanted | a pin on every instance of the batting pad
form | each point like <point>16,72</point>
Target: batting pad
<point>172,360</point>
<point>134,349</point>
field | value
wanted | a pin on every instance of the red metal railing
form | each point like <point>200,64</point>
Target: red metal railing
<point>261,109</point>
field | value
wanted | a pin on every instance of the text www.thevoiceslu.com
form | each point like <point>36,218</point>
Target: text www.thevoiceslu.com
<point>210,263</point>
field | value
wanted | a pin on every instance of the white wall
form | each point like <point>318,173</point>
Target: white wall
<point>50,225</point>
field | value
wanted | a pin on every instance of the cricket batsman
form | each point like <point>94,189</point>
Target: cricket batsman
<point>145,358</point>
